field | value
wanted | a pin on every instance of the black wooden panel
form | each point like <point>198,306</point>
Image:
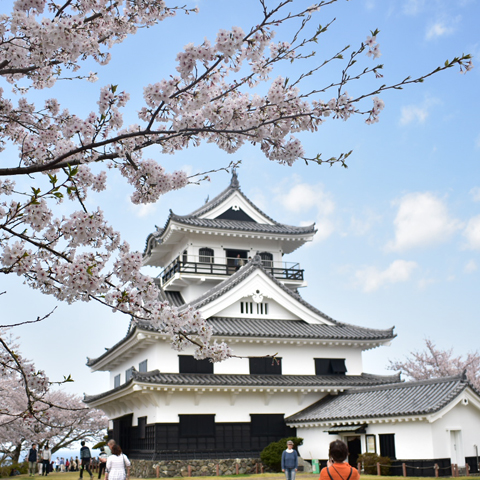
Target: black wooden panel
<point>188,364</point>
<point>387,445</point>
<point>265,366</point>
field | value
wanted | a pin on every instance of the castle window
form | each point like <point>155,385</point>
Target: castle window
<point>387,445</point>
<point>197,425</point>
<point>142,426</point>
<point>188,364</point>
<point>116,381</point>
<point>330,366</point>
<point>248,308</point>
<point>265,366</point>
<point>267,259</point>
<point>128,374</point>
<point>185,256</point>
<point>206,255</point>
<point>142,366</point>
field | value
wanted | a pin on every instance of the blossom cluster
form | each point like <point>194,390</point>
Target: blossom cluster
<point>215,96</point>
<point>30,411</point>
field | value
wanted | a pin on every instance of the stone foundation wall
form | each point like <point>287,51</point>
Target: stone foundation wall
<point>195,468</point>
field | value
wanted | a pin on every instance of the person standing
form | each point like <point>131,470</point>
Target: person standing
<point>102,462</point>
<point>289,461</point>
<point>32,460</point>
<point>118,465</point>
<point>46,459</point>
<point>337,468</point>
<point>85,457</point>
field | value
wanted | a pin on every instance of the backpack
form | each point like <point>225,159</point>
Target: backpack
<point>330,475</point>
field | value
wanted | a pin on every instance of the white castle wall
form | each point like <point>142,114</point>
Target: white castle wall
<point>464,418</point>
<point>163,407</point>
<point>297,358</point>
<point>414,440</point>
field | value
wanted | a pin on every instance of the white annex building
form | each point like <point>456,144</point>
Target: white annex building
<point>226,259</point>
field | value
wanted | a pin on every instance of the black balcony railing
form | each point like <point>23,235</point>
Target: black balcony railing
<point>293,272</point>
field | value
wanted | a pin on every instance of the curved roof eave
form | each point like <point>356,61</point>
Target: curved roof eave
<point>337,382</point>
<point>418,398</point>
<point>221,197</point>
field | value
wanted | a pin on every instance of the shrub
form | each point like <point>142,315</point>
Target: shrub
<point>370,460</point>
<point>5,470</point>
<point>272,454</point>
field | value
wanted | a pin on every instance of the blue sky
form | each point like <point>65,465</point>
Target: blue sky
<point>398,237</point>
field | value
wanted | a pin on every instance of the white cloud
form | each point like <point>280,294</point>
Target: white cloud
<point>371,278</point>
<point>360,226</point>
<point>471,266</point>
<point>472,233</point>
<point>423,283</point>
<point>417,113</point>
<point>422,219</point>
<point>439,29</point>
<point>413,7</point>
<point>324,228</point>
<point>302,198</point>
<point>142,210</point>
<point>475,193</point>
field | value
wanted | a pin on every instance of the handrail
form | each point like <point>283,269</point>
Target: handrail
<point>290,270</point>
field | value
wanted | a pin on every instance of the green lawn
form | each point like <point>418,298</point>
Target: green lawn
<point>267,476</point>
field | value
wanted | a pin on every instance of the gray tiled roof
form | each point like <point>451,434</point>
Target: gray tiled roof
<point>265,327</point>
<point>174,298</point>
<point>268,381</point>
<point>223,224</point>
<point>222,196</point>
<point>260,327</point>
<point>214,224</point>
<point>254,264</point>
<point>401,399</point>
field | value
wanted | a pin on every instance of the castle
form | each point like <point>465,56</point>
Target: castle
<point>297,371</point>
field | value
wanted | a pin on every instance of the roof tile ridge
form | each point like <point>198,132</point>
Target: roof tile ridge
<point>222,287</point>
<point>300,299</point>
<point>238,276</point>
<point>157,233</point>
<point>131,328</point>
<point>411,384</point>
<point>267,216</point>
<point>210,205</point>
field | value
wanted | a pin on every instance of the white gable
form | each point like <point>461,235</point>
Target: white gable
<point>259,288</point>
<point>257,306</point>
<point>236,201</point>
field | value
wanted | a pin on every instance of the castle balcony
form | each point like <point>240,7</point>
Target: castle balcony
<point>182,272</point>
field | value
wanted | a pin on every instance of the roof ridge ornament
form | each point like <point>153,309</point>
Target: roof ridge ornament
<point>234,182</point>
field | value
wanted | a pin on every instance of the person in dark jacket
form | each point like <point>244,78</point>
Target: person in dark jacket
<point>85,457</point>
<point>290,461</point>
<point>32,460</point>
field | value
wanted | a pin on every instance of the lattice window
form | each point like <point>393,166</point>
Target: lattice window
<point>249,308</point>
<point>206,255</point>
<point>267,259</point>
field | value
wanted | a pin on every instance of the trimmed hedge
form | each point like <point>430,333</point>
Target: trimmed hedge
<point>272,454</point>
<point>370,460</point>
